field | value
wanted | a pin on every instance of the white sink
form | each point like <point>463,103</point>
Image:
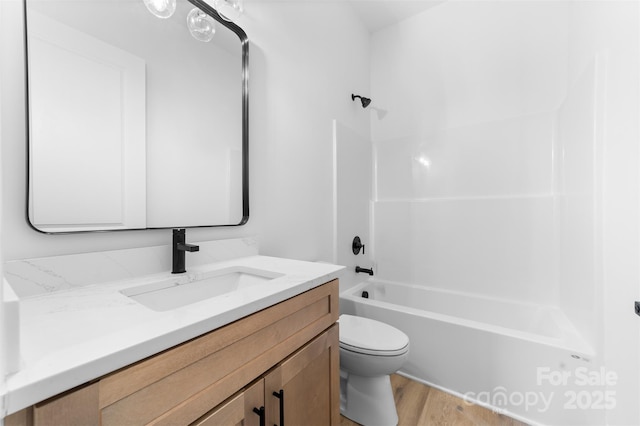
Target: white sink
<point>184,290</point>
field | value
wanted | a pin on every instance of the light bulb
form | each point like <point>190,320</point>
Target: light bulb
<point>229,10</point>
<point>201,26</point>
<point>161,8</point>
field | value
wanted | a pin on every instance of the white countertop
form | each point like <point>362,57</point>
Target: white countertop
<point>72,336</point>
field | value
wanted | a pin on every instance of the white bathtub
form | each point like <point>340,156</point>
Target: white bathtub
<point>525,360</point>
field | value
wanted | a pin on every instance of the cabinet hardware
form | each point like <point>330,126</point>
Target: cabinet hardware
<point>280,396</point>
<point>260,412</point>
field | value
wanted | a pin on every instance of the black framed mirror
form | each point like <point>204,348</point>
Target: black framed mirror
<point>134,122</point>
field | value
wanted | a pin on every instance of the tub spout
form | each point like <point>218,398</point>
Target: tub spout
<point>364,270</point>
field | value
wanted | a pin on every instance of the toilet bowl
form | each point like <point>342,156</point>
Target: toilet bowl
<point>369,352</point>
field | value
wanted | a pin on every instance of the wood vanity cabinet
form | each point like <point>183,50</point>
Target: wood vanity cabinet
<point>279,365</point>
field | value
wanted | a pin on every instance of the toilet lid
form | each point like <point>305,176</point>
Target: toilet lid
<point>369,336</point>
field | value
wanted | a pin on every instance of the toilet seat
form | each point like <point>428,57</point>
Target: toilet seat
<point>371,337</point>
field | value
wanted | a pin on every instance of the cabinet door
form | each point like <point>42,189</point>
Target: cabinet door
<point>246,409</point>
<point>305,388</point>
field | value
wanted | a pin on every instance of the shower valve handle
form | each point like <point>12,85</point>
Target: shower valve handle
<point>357,245</point>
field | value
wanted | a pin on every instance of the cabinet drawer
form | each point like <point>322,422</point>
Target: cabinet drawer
<point>240,410</point>
<point>181,384</point>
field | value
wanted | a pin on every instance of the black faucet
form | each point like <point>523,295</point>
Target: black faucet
<point>179,249</point>
<point>366,271</point>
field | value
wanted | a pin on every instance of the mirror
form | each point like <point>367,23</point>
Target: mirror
<point>133,123</point>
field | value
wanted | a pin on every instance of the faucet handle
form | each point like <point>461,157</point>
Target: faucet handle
<point>188,247</point>
<point>357,245</point>
<point>179,241</point>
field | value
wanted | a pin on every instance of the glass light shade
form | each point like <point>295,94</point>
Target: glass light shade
<point>161,8</point>
<point>201,26</point>
<point>229,9</point>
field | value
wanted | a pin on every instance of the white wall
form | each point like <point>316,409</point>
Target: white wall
<point>305,61</point>
<point>310,56</point>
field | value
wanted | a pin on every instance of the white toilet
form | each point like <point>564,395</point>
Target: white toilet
<point>369,352</point>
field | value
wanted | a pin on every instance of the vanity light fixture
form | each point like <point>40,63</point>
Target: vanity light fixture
<point>229,10</point>
<point>161,8</point>
<point>201,26</point>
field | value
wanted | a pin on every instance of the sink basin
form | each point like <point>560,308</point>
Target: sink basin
<point>184,290</point>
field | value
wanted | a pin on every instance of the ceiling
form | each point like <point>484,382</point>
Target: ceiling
<point>378,14</point>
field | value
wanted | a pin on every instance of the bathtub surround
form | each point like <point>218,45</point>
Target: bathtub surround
<point>464,160</point>
<point>506,168</point>
<point>352,188</point>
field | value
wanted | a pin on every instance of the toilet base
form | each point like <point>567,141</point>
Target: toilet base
<point>367,400</point>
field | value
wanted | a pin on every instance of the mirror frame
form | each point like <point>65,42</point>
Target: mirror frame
<point>244,43</point>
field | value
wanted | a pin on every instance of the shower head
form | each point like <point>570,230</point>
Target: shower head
<point>365,101</point>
